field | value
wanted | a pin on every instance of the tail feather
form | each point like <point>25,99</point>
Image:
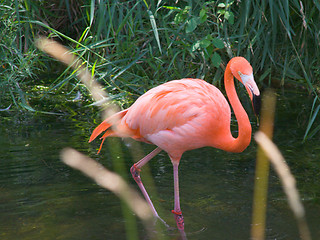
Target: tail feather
<point>98,130</point>
<point>104,136</point>
<point>114,119</point>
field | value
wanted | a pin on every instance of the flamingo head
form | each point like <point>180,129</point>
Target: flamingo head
<point>242,70</point>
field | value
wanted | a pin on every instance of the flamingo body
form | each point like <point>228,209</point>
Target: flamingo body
<point>182,115</point>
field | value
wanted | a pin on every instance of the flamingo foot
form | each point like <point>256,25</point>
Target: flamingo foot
<point>179,219</point>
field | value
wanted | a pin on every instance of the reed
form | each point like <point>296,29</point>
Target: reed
<point>262,169</point>
<point>115,182</point>
<point>269,153</point>
<point>288,183</point>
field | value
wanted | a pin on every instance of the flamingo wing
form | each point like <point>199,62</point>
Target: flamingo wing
<point>177,115</point>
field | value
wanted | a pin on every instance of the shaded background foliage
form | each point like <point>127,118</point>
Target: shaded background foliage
<point>131,46</point>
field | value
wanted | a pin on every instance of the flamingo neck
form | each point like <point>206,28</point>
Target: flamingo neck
<point>244,127</point>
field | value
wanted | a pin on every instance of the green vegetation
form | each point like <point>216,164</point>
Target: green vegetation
<point>132,46</point>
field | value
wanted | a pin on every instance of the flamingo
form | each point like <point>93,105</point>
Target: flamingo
<point>182,115</point>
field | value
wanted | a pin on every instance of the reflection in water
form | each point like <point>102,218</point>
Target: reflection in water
<point>41,198</point>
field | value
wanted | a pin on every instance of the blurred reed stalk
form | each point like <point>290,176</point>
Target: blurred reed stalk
<point>61,53</point>
<point>262,169</point>
<point>88,166</point>
<point>108,180</point>
<point>288,182</point>
<point>267,151</point>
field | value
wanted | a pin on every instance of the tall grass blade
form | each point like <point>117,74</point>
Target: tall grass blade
<point>313,114</point>
<point>129,66</point>
<point>92,11</point>
<point>17,12</point>
<point>125,20</point>
<point>154,29</point>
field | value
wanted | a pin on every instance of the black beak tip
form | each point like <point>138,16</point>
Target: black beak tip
<point>256,101</point>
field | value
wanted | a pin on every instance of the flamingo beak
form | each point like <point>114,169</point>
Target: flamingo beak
<point>256,102</point>
<point>253,91</point>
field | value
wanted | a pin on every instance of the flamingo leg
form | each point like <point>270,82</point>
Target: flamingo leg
<point>177,210</point>
<point>135,171</point>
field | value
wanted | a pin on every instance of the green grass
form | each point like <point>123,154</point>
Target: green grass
<point>132,46</point>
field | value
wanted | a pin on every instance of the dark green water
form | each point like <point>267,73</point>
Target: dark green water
<point>41,198</point>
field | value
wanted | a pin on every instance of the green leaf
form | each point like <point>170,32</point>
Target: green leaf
<point>203,15</point>
<point>203,12</point>
<point>181,15</point>
<point>222,5</point>
<point>204,43</point>
<point>195,46</point>
<point>192,24</point>
<point>216,60</point>
<point>209,37</point>
<point>172,8</point>
<point>218,43</point>
<point>208,52</point>
<point>222,12</point>
<point>229,16</point>
<point>179,18</point>
<point>186,9</point>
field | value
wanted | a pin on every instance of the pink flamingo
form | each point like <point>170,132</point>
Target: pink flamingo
<point>182,115</point>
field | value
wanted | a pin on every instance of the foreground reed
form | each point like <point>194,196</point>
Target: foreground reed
<point>268,152</point>
<point>90,167</point>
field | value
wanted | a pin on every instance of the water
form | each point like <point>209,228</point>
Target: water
<point>41,198</point>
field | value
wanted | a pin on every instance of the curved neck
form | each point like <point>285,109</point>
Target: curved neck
<point>244,127</point>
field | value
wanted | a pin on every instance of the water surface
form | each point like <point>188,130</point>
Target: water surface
<point>41,198</point>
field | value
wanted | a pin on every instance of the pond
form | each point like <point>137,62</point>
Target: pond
<point>41,198</point>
